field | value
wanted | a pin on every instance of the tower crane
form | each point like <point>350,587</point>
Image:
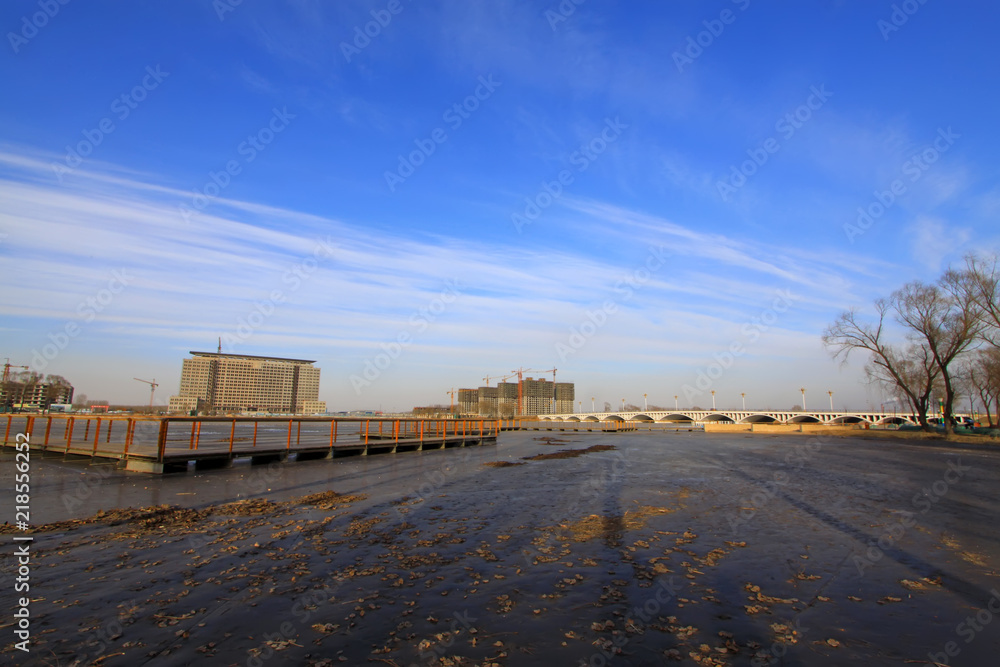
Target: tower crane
<point>519,372</point>
<point>553,371</point>
<point>6,378</point>
<point>152,389</point>
<point>6,370</point>
<point>452,394</point>
<point>490,377</point>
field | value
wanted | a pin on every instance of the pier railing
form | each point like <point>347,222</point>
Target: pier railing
<point>158,438</point>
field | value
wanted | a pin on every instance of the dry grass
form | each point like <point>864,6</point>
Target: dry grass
<point>569,453</point>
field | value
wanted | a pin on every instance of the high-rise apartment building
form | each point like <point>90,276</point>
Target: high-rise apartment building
<point>34,396</point>
<point>247,383</point>
<point>538,397</point>
<point>468,401</point>
<point>565,395</point>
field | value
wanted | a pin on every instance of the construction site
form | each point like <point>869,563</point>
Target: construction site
<point>524,398</point>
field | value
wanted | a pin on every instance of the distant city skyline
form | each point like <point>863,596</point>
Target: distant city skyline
<point>657,199</point>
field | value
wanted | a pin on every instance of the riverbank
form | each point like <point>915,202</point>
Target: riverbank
<point>712,549</point>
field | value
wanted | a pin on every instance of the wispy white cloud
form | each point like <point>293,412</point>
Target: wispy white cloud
<point>195,282</point>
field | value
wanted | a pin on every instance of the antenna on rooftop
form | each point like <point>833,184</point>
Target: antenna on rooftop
<point>220,344</point>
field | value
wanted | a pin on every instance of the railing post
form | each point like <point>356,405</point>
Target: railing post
<point>191,441</point>
<point>69,433</point>
<point>288,445</point>
<point>298,433</point>
<point>161,440</point>
<point>255,433</point>
<point>197,437</point>
<point>232,436</point>
<point>6,435</point>
<point>333,431</point>
<point>48,428</point>
<point>421,428</point>
<point>335,427</point>
<point>129,426</point>
<point>97,435</point>
<point>368,424</point>
<point>86,431</point>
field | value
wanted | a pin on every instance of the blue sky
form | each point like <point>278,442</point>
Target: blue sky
<point>660,199</point>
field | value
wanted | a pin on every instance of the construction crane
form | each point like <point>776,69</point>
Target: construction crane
<point>552,405</point>
<point>452,394</point>
<point>6,370</point>
<point>152,389</point>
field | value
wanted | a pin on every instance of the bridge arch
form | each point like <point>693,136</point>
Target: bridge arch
<point>758,419</point>
<point>805,419</point>
<point>849,419</point>
<point>614,418</point>
<point>675,417</point>
<point>894,420</point>
<point>641,418</point>
<point>725,419</point>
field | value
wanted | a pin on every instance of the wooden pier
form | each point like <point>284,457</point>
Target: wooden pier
<point>170,444</point>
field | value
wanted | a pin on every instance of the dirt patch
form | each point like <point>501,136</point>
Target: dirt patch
<point>503,464</point>
<point>606,527</point>
<point>326,500</point>
<point>166,517</point>
<point>548,440</point>
<point>569,453</point>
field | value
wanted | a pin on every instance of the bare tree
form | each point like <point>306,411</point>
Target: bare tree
<point>982,377</point>
<point>911,370</point>
<point>944,319</point>
<point>979,285</point>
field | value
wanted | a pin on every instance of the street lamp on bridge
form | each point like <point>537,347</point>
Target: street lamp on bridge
<point>743,395</point>
<point>713,399</point>
<point>623,405</point>
<point>675,403</point>
<point>644,408</point>
<point>592,405</point>
<point>831,400</point>
<point>803,390</point>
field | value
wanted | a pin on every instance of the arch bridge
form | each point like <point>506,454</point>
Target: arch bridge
<point>740,417</point>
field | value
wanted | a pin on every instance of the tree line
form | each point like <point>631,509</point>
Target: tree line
<point>928,340</point>
<point>19,386</point>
